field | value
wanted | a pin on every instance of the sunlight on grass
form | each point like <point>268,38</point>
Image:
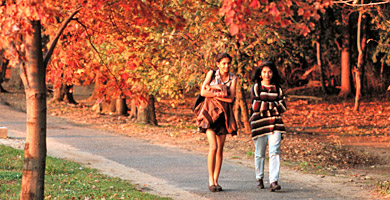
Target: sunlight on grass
<point>250,154</point>
<point>64,180</point>
<point>384,187</point>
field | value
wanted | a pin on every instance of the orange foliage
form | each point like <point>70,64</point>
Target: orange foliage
<point>93,42</point>
<point>273,14</point>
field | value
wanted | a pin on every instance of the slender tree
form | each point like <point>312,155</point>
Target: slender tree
<point>22,39</point>
<point>35,88</point>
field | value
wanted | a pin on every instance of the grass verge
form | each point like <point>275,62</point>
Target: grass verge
<point>384,188</point>
<point>64,180</point>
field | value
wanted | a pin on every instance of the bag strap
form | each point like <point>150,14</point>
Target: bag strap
<point>212,76</point>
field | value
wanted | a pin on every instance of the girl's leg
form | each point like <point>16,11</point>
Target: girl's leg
<point>212,139</point>
<point>274,156</point>
<point>219,157</point>
<point>260,145</point>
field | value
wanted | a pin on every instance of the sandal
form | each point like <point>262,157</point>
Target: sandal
<point>219,188</point>
<point>212,188</point>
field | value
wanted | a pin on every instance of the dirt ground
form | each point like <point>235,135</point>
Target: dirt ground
<point>325,137</point>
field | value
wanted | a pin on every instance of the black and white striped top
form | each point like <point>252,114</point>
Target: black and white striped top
<point>268,102</point>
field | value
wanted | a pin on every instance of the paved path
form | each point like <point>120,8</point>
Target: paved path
<point>168,171</point>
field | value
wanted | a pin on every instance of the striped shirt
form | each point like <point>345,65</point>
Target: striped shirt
<point>268,102</point>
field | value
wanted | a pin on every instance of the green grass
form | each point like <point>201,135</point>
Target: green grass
<point>250,154</point>
<point>64,180</point>
<point>383,187</point>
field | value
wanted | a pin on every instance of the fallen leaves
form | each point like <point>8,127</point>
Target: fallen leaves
<point>319,135</point>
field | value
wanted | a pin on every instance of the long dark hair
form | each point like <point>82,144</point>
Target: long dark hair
<point>256,76</point>
<point>221,56</point>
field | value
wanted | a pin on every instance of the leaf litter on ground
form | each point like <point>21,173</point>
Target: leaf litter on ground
<point>326,137</point>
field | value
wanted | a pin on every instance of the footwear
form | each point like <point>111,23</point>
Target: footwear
<point>260,183</point>
<point>274,186</point>
<point>219,188</point>
<point>212,188</point>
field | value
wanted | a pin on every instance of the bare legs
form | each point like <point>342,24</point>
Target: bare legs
<point>215,157</point>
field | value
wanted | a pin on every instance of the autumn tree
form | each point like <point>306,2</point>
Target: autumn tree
<point>362,24</point>
<point>22,24</point>
<point>23,35</point>
<point>304,18</point>
<point>381,55</point>
<point>186,55</point>
<point>279,25</point>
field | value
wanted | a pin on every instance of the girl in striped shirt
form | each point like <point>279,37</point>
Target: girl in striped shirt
<point>268,102</point>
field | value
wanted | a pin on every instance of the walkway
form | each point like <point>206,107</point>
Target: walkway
<point>168,171</point>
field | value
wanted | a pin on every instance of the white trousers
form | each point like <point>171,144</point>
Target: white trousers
<point>274,155</point>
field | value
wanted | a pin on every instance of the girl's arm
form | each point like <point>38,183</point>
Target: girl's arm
<point>281,103</point>
<point>232,93</point>
<point>205,90</point>
<point>256,101</point>
<point>254,86</point>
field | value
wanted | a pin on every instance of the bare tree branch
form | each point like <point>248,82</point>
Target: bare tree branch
<point>101,58</point>
<point>355,4</point>
<point>54,43</point>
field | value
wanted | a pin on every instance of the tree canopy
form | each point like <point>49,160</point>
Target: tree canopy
<point>161,48</point>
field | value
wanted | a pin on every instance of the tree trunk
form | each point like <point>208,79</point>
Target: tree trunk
<point>58,94</point>
<point>146,112</point>
<point>244,109</point>
<point>96,89</point>
<point>33,76</point>
<point>15,80</point>
<point>319,60</point>
<point>121,106</point>
<point>345,58</point>
<point>133,109</point>
<point>358,89</point>
<point>3,70</point>
<point>64,93</point>
<point>69,94</point>
<point>111,107</point>
<point>35,147</point>
<point>322,73</point>
<point>118,106</point>
<point>152,109</point>
<point>237,114</point>
<point>142,116</point>
<point>361,44</point>
<point>115,106</point>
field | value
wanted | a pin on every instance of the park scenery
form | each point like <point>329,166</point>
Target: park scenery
<point>135,68</point>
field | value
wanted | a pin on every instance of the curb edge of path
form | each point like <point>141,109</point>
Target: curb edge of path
<point>146,182</point>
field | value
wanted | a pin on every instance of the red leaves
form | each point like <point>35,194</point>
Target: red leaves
<point>132,66</point>
<point>301,11</point>
<point>304,30</point>
<point>140,21</point>
<point>128,93</point>
<point>285,23</point>
<point>254,4</point>
<point>297,15</point>
<point>273,9</point>
<point>234,29</point>
<point>307,15</point>
<point>124,76</point>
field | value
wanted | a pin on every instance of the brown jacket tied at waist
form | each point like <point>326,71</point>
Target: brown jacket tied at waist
<point>210,110</point>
